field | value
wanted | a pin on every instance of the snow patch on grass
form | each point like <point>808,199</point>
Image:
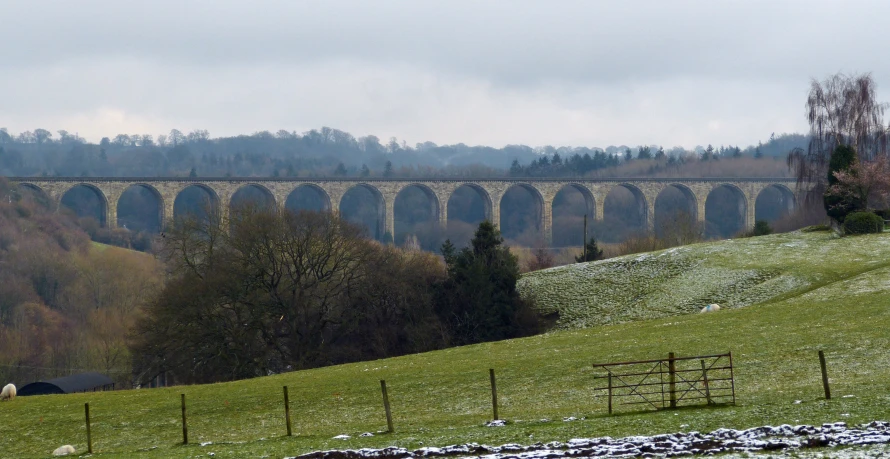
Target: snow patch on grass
<point>681,280</point>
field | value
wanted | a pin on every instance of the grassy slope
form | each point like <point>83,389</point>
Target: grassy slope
<point>732,273</point>
<point>442,397</point>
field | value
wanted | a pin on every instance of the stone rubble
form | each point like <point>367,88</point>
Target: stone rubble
<point>721,441</point>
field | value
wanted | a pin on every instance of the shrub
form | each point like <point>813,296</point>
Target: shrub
<point>863,223</point>
<point>815,228</point>
<point>883,213</point>
<point>761,228</point>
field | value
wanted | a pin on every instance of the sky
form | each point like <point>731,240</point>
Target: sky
<point>563,73</point>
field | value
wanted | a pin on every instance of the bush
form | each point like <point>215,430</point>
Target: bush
<point>863,223</point>
<point>883,213</point>
<point>815,228</point>
<point>761,228</point>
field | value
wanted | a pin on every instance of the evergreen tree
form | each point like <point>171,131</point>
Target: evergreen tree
<point>842,159</point>
<point>478,301</point>
<point>761,228</point>
<point>515,168</point>
<point>340,170</point>
<point>365,171</point>
<point>660,153</point>
<point>592,253</point>
<point>387,169</point>
<point>193,173</point>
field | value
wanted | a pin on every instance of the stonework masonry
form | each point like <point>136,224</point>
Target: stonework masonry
<point>438,191</point>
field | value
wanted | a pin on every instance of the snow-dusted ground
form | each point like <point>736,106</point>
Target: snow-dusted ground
<point>682,280</point>
<point>828,440</point>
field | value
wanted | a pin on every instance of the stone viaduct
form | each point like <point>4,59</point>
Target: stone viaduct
<point>438,191</point>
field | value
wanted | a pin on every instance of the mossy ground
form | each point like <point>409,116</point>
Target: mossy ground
<point>842,306</point>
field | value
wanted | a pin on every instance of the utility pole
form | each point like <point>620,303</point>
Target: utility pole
<point>584,242</point>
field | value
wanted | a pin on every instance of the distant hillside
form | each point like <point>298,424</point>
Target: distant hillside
<point>324,151</point>
<point>682,280</point>
<point>66,304</point>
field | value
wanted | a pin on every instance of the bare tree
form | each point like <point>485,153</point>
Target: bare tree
<point>541,258</point>
<point>841,110</point>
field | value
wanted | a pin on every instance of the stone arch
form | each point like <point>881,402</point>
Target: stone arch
<point>771,210</point>
<point>483,194</point>
<point>614,228</point>
<point>103,200</point>
<point>718,217</point>
<point>428,231</point>
<point>567,226</point>
<point>42,194</point>
<point>159,198</point>
<point>435,205</point>
<point>325,197</point>
<point>268,195</point>
<point>213,197</point>
<point>536,219</point>
<point>33,187</point>
<point>662,210</point>
<point>376,225</point>
<point>464,207</point>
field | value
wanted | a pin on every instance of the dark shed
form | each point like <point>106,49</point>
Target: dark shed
<point>82,382</point>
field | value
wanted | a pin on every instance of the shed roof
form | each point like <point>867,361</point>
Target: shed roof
<point>66,385</point>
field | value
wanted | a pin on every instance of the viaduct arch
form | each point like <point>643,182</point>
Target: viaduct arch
<point>439,191</point>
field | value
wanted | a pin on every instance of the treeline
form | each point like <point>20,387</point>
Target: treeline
<point>320,152</point>
<point>271,291</point>
<point>66,305</point>
<point>647,161</point>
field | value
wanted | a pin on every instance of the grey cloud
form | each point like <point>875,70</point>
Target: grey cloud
<point>506,41</point>
<point>492,72</point>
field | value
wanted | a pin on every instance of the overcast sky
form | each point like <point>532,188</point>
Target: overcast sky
<point>579,73</point>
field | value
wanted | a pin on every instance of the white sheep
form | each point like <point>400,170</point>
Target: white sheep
<point>8,392</point>
<point>711,308</point>
<point>63,450</point>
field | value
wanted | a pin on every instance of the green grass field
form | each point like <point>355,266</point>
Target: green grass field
<point>443,397</point>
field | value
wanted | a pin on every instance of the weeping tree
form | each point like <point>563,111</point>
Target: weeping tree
<point>842,111</point>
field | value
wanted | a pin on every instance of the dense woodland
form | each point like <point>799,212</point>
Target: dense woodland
<point>66,304</point>
<point>270,291</point>
<point>331,152</point>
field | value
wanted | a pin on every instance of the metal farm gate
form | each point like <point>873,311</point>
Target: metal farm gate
<point>666,383</point>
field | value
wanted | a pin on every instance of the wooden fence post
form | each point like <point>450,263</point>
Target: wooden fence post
<point>704,375</point>
<point>185,429</point>
<point>610,392</point>
<point>287,413</point>
<point>824,375</point>
<point>86,409</point>
<point>386,406</point>
<point>494,393</point>
<point>672,380</point>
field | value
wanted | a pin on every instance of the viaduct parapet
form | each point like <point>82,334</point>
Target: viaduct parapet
<point>438,191</point>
